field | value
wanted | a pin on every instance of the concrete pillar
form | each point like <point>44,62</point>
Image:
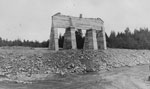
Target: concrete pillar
<point>101,38</point>
<point>70,39</point>
<point>53,43</point>
<point>90,41</point>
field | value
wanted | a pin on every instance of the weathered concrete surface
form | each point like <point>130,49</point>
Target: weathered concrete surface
<point>63,21</point>
<point>90,40</point>
<point>101,39</point>
<point>70,39</point>
<point>53,43</point>
<point>93,40</point>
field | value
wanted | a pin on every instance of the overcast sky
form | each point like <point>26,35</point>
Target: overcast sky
<point>31,19</point>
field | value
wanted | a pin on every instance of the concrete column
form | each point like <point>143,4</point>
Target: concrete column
<point>53,43</point>
<point>101,38</point>
<point>90,41</point>
<point>70,39</point>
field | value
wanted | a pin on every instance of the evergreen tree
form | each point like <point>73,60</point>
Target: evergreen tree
<point>61,41</point>
<point>79,39</point>
<point>112,39</point>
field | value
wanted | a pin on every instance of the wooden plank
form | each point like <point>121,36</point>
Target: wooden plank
<point>62,21</point>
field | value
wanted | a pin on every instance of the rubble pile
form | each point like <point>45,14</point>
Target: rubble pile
<point>15,64</point>
<point>79,61</point>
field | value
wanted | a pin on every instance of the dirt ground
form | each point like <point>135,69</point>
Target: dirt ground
<point>120,78</point>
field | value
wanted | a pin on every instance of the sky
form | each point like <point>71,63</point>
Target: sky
<point>31,19</point>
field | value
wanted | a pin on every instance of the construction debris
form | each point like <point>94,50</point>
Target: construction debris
<point>19,64</point>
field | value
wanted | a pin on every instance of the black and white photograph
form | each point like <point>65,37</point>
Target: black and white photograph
<point>74,44</point>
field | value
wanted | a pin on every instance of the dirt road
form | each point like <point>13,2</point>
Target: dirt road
<point>119,78</point>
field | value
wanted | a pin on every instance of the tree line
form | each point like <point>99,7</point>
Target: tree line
<point>138,39</point>
<point>26,43</point>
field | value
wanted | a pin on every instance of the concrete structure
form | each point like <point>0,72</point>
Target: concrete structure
<point>70,39</point>
<point>53,43</point>
<point>95,32</point>
<point>101,39</point>
<point>90,40</point>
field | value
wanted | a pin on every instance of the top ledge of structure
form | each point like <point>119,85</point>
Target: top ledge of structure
<point>59,14</point>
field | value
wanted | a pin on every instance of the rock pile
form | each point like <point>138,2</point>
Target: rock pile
<point>78,61</point>
<point>17,63</point>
